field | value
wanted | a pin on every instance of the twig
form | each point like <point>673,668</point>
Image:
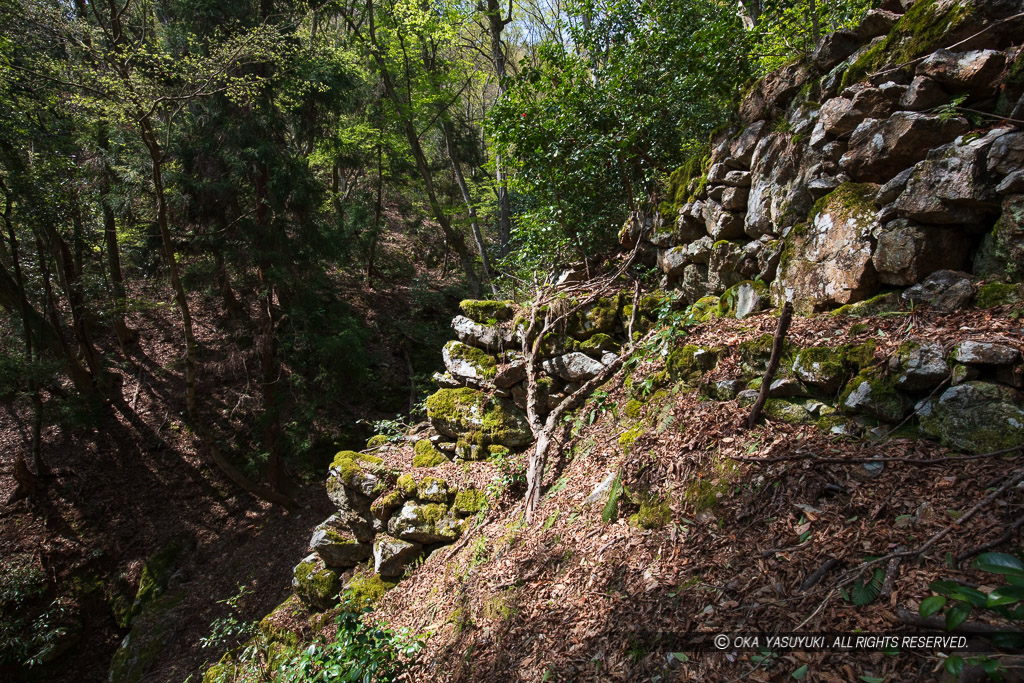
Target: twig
<point>939,623</point>
<point>812,580</point>
<point>773,364</point>
<point>978,549</point>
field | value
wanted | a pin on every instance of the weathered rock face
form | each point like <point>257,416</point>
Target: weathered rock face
<point>392,555</point>
<point>920,367</point>
<point>468,363</point>
<point>985,353</point>
<point>491,337</point>
<point>336,545</point>
<point>829,262</point>
<point>906,252</point>
<point>424,523</point>
<point>879,149</point>
<point>975,417</point>
<point>456,412</point>
<point>573,367</point>
<point>946,290</point>
<point>315,584</point>
<point>975,70</point>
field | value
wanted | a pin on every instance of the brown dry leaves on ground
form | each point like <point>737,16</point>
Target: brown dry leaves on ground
<point>573,598</point>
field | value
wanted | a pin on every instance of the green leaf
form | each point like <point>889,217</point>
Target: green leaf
<point>867,593</point>
<point>954,665</point>
<point>930,606</point>
<point>800,673</point>
<point>1005,595</point>
<point>999,563</point>
<point>944,587</point>
<point>871,679</point>
<point>681,656</point>
<point>971,595</point>
<point>956,616</point>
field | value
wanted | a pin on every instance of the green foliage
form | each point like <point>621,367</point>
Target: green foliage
<point>786,30</point>
<point>229,630</point>
<point>359,652</point>
<point>591,127</point>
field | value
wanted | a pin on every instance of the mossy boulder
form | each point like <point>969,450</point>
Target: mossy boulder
<point>426,455</point>
<point>425,523</point>
<point>432,490</point>
<point>690,362</point>
<point>484,312</point>
<point>598,345</point>
<point>315,584</point>
<point>704,309</point>
<point>602,315</point>
<point>921,366</point>
<point>874,393</point>
<point>376,441</point>
<point>879,305</point>
<point>359,472</point>
<point>755,353</point>
<point>976,417</point>
<point>469,502</point>
<point>787,411</point>
<point>654,513</point>
<point>386,504</point>
<point>365,590</point>
<point>335,544</point>
<point>279,633</point>
<point>470,413</point>
<point>468,362</point>
<point>156,573</point>
<point>999,294</point>
<point>822,367</point>
<point>392,555</point>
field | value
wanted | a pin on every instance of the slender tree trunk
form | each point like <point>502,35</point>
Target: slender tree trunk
<point>149,138</point>
<point>231,304</point>
<point>470,209</point>
<point>454,237</point>
<point>496,25</point>
<point>125,334</point>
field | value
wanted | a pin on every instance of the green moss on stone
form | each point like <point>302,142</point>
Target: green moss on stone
<point>156,572</point>
<point>485,311</point>
<point>426,455</point>
<point>998,294</point>
<point>485,363</point>
<point>407,485</point>
<point>498,451</point>
<point>921,30</point>
<point>882,399</point>
<point>599,343</point>
<point>690,362</point>
<point>634,408</point>
<point>600,316</point>
<point>317,585</point>
<point>846,201</point>
<point>787,411</point>
<point>881,304</point>
<point>469,501</point>
<point>349,465</point>
<point>376,441</point>
<point>382,507</point>
<point>629,437</point>
<point>479,417</point>
<point>367,589</point>
<point>431,513</point>
<point>654,513</point>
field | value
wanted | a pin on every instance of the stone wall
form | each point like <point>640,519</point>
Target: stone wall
<point>893,153</point>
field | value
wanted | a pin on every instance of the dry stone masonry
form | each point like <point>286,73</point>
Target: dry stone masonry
<point>895,152</point>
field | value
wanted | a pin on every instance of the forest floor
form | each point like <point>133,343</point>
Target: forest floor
<point>570,597</point>
<point>132,477</point>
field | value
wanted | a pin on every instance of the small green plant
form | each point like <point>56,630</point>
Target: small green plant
<point>956,601</point>
<point>359,652</point>
<point>229,630</point>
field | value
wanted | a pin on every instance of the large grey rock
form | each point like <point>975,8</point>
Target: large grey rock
<point>920,367</point>
<point>672,261</point>
<point>952,186</point>
<point>834,48</point>
<point>743,146</point>
<point>923,93</point>
<point>468,363</point>
<point>871,394</point>
<point>975,70</point>
<point>735,199</point>
<point>737,178</point>
<point>573,367</point>
<point>889,192</point>
<point>906,252</point>
<point>749,300</point>
<point>879,149</point>
<point>722,224</point>
<point>425,524</point>
<point>877,22</point>
<point>1006,154</point>
<point>1011,184</point>
<point>773,91</point>
<point>491,337</point>
<point>976,417</point>
<point>839,117</point>
<point>723,266</point>
<point>336,545</point>
<point>461,412</point>
<point>699,251</point>
<point>392,555</point>
<point>315,584</point>
<point>829,263</point>
<point>695,282</point>
<point>511,373</point>
<point>946,290</point>
<point>779,196</point>
<point>353,510</point>
<point>985,353</point>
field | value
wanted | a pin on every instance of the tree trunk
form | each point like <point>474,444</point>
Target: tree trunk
<point>454,237</point>
<point>496,25</point>
<point>470,209</point>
